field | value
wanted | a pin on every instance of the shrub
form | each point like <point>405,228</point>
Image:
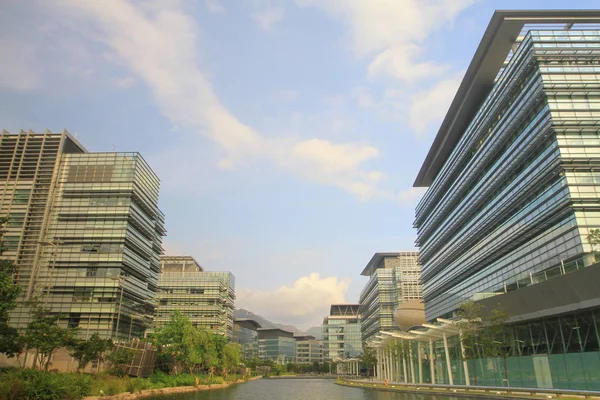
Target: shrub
<point>32,384</point>
<point>134,385</point>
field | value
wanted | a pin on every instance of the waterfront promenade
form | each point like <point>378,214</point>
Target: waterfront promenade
<point>470,391</point>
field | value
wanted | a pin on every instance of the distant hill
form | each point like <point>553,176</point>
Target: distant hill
<point>316,332</point>
<point>265,323</point>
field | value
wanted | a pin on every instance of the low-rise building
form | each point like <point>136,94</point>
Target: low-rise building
<point>308,349</point>
<point>245,332</point>
<point>276,345</point>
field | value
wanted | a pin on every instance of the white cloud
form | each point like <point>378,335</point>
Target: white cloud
<point>159,46</point>
<point>214,6</point>
<point>399,62</point>
<point>428,107</point>
<point>304,303</point>
<point>125,82</point>
<point>16,69</point>
<point>393,32</point>
<point>411,195</point>
<point>322,161</point>
<point>268,17</point>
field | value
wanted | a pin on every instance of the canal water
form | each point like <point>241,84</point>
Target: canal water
<point>298,389</point>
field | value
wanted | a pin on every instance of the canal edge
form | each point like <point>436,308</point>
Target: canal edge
<point>168,390</point>
<point>459,391</point>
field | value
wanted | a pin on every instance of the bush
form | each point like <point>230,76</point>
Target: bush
<point>32,384</point>
<point>134,385</point>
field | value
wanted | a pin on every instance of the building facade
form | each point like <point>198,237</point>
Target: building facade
<point>245,332</point>
<point>85,232</point>
<point>394,278</point>
<point>308,349</point>
<point>513,180</point>
<point>342,332</point>
<point>276,345</point>
<point>207,298</point>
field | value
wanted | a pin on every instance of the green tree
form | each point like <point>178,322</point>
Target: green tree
<point>368,359</point>
<point>594,239</point>
<point>45,335</point>
<point>231,358</point>
<point>182,346</point>
<point>482,332</point>
<point>119,357</point>
<point>9,338</point>
<point>86,351</point>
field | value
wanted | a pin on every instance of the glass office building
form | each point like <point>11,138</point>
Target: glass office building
<point>393,280</point>
<point>341,332</point>
<point>276,345</point>
<point>513,175</point>
<point>207,298</point>
<point>85,232</point>
<point>245,333</point>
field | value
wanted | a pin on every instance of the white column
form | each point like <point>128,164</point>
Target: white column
<point>387,364</point>
<point>465,364</point>
<point>404,362</point>
<point>431,361</point>
<point>394,369</point>
<point>412,364</point>
<point>398,362</point>
<point>448,365</point>
<point>378,371</point>
<point>420,360</point>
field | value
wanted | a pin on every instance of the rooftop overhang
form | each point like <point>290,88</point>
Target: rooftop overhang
<point>376,260</point>
<point>247,323</point>
<point>181,260</point>
<point>498,39</point>
<point>428,331</point>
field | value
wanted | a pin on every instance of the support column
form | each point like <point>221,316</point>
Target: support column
<point>448,364</point>
<point>395,365</point>
<point>389,365</point>
<point>431,361</point>
<point>412,364</point>
<point>404,362</point>
<point>420,360</point>
<point>379,356</point>
<point>398,362</point>
<point>465,363</point>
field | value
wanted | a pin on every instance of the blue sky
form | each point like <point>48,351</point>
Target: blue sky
<point>287,134</point>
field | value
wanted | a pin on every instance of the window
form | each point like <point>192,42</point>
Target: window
<point>196,291</point>
<point>21,196</point>
<point>10,243</point>
<point>15,219</point>
<point>91,272</point>
<point>90,248</point>
<point>101,248</point>
<point>82,296</point>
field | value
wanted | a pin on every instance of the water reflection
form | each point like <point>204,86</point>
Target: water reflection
<point>299,389</point>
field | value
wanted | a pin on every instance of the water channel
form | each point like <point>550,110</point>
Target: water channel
<point>299,389</point>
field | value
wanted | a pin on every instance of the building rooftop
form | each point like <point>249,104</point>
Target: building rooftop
<point>377,260</point>
<point>344,310</point>
<point>180,264</point>
<point>247,323</point>
<point>304,337</point>
<point>268,333</point>
<point>503,31</point>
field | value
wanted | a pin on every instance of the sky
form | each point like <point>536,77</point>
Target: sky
<point>286,134</point>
